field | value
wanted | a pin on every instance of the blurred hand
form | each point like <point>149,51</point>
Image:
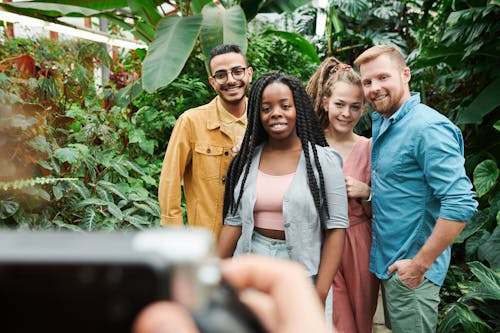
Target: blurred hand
<point>278,291</point>
<point>356,188</point>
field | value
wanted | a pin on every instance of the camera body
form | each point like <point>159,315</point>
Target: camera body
<point>99,282</point>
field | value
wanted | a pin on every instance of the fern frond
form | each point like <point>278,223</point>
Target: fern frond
<point>30,182</point>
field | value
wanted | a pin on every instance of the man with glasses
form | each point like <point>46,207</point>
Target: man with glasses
<point>202,145</point>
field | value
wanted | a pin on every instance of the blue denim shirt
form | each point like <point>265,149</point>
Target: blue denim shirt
<point>417,176</point>
<point>303,231</point>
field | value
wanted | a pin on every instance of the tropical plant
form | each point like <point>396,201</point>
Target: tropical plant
<point>66,163</point>
<point>477,304</point>
<point>452,49</point>
<point>171,35</point>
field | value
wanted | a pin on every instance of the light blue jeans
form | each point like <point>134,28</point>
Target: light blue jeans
<point>269,247</point>
<point>277,248</point>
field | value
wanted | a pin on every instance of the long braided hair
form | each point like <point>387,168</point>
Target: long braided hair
<point>324,79</point>
<point>308,130</point>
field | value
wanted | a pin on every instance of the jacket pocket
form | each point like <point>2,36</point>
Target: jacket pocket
<point>207,161</point>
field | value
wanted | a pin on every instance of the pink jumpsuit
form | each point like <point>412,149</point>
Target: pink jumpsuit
<point>355,289</point>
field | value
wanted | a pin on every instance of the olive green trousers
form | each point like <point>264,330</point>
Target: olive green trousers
<point>410,310</point>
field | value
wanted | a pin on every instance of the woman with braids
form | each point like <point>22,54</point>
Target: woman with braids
<point>338,99</point>
<point>285,194</point>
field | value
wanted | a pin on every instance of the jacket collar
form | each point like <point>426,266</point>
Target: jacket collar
<point>213,120</point>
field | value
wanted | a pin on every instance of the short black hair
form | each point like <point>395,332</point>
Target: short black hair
<point>226,48</point>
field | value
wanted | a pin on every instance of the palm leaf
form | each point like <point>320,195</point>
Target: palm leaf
<point>175,39</point>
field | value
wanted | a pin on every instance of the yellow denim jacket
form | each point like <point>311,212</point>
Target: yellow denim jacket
<point>199,152</point>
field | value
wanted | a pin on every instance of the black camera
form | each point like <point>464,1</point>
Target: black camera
<point>99,282</point>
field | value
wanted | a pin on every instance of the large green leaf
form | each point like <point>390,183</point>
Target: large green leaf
<point>113,188</point>
<point>485,177</point>
<point>69,155</point>
<point>352,8</point>
<point>490,280</point>
<point>49,9</point>
<point>197,5</point>
<point>136,135</point>
<point>93,4</point>
<point>299,43</point>
<point>460,315</point>
<point>222,26</point>
<point>279,6</point>
<point>497,125</point>
<point>168,53</point>
<point>115,211</point>
<point>483,104</point>
<point>474,242</point>
<point>148,146</point>
<point>336,22</point>
<point>145,9</point>
<point>490,250</point>
<point>477,222</point>
<point>436,55</point>
<point>253,7</point>
<point>135,29</point>
<point>127,94</point>
<point>8,208</point>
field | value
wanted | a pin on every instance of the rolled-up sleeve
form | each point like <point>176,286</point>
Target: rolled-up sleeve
<point>440,155</point>
<point>234,218</point>
<point>335,190</point>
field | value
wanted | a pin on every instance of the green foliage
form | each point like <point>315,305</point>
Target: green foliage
<point>73,165</point>
<point>222,26</point>
<point>477,307</point>
<point>265,55</point>
<point>173,31</point>
<point>171,36</point>
<point>452,50</point>
<point>298,42</point>
<point>485,176</point>
<point>109,146</point>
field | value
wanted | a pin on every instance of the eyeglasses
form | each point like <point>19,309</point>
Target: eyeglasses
<point>238,73</point>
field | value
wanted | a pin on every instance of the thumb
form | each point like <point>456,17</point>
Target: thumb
<point>392,268</point>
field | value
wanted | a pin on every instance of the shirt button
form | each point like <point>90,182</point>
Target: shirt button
<point>223,179</point>
<point>226,153</point>
<point>289,247</point>
<point>287,225</point>
<point>209,150</point>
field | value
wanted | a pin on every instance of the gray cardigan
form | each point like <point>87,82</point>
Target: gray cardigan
<point>303,231</point>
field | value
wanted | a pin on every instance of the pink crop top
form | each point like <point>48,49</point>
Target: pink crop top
<point>268,209</point>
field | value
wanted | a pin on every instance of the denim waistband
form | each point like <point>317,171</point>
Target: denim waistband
<point>256,237</point>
